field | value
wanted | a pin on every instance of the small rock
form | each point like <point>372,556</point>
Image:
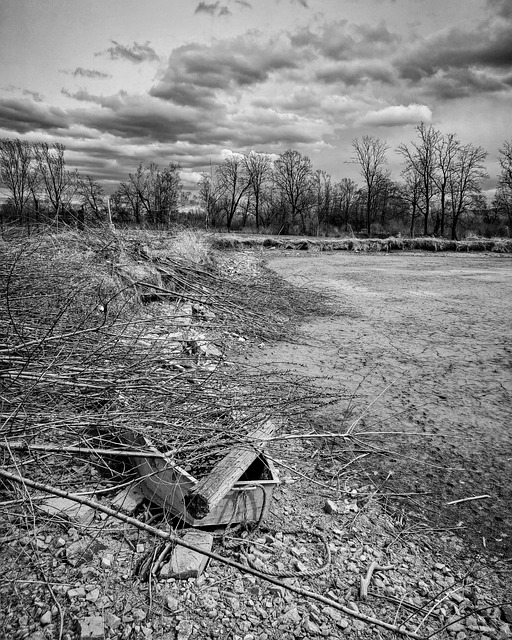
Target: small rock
<point>79,592</point>
<point>238,586</point>
<point>46,618</point>
<point>140,548</point>
<point>334,614</point>
<point>171,603</point>
<point>455,627</point>
<point>353,606</point>
<point>91,628</point>
<point>106,562</point>
<point>111,620</point>
<point>93,595</point>
<point>311,628</point>
<point>139,614</point>
<point>83,551</point>
<point>292,615</point>
<point>330,507</point>
<point>184,629</point>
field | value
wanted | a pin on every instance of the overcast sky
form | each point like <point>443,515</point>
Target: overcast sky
<point>120,81</point>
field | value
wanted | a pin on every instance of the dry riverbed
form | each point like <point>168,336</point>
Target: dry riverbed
<point>419,348</point>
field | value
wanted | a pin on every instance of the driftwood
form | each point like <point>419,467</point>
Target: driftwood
<point>211,489</point>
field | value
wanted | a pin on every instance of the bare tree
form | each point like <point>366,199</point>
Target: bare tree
<point>324,198</point>
<point>258,167</point>
<point>293,176</point>
<point>421,158</point>
<point>91,195</point>
<point>15,167</point>
<point>55,180</point>
<point>505,160</point>
<point>370,154</point>
<point>233,183</point>
<point>412,193</point>
<point>465,181</point>
<point>445,153</point>
<point>345,196</point>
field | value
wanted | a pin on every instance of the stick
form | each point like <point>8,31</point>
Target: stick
<point>486,495</point>
<point>211,489</point>
<point>209,554</point>
<point>365,582</point>
<point>21,446</point>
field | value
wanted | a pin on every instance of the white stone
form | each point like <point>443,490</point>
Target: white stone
<point>186,563</point>
<point>91,628</point>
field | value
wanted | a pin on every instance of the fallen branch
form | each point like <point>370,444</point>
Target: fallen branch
<point>213,556</point>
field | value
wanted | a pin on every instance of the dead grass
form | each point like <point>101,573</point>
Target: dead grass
<point>500,245</point>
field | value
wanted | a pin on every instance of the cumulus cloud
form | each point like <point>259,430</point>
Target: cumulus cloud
<point>396,116</point>
<point>340,40</point>
<point>135,53</point>
<point>358,72</point>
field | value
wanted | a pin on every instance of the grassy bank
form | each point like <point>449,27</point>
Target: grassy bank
<point>498,245</point>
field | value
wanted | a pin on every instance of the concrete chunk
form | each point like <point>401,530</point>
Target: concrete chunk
<point>128,499</point>
<point>69,509</point>
<point>186,563</point>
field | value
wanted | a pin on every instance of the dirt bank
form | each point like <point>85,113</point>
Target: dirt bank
<point>432,333</point>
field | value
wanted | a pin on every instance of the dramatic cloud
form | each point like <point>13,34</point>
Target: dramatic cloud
<point>397,116</point>
<point>135,53</point>
<point>80,72</point>
<point>197,72</point>
<point>23,116</point>
<point>463,83</point>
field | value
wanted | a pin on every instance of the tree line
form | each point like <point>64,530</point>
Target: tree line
<point>439,191</point>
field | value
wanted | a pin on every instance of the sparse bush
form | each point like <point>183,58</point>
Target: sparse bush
<point>191,246</point>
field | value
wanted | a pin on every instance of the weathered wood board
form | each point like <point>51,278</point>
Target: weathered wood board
<point>167,485</point>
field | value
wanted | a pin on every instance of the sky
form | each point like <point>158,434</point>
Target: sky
<point>124,81</point>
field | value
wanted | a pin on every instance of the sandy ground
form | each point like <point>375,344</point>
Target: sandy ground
<point>418,346</point>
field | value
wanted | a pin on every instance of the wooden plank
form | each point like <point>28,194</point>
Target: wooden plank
<point>211,489</point>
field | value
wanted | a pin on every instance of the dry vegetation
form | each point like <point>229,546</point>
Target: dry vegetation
<point>104,332</point>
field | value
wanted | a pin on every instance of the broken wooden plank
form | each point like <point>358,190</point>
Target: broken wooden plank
<point>211,489</point>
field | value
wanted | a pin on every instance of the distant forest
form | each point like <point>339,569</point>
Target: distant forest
<point>439,192</point>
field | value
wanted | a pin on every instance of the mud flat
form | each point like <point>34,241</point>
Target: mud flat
<point>433,335</point>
